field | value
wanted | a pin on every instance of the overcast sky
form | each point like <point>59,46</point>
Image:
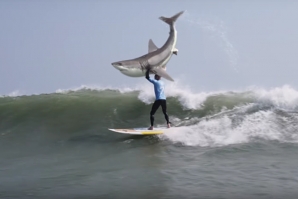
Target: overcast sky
<point>227,44</point>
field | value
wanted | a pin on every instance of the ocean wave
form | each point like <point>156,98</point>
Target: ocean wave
<point>201,118</point>
<point>235,129</point>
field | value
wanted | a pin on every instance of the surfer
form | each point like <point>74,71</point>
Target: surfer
<point>160,99</point>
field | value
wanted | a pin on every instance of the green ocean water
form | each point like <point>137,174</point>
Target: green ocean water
<point>224,145</point>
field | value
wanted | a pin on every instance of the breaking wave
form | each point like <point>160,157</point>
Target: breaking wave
<point>201,118</point>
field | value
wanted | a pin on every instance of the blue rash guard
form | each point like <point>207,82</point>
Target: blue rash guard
<point>159,88</point>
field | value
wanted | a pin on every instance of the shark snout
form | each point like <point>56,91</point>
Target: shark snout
<point>117,65</point>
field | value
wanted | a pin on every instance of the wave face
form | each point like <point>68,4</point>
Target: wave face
<point>202,119</point>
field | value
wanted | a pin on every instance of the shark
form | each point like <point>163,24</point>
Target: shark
<point>156,59</point>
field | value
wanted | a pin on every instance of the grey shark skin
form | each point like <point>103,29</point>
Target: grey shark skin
<point>156,59</point>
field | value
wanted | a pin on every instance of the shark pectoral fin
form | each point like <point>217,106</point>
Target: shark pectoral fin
<point>151,47</point>
<point>161,72</point>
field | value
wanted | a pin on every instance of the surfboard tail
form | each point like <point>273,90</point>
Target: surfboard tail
<point>172,19</point>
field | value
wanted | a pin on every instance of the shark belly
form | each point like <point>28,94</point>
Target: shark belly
<point>133,72</point>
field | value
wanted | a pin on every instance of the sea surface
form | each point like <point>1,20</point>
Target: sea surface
<point>223,144</point>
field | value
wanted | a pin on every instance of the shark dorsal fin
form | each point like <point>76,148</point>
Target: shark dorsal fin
<point>152,47</point>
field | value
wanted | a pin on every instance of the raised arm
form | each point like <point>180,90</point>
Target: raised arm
<point>148,77</point>
<point>147,74</point>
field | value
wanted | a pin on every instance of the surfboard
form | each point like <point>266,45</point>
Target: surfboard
<point>140,131</point>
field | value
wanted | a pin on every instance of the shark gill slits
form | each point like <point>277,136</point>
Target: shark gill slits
<point>144,64</point>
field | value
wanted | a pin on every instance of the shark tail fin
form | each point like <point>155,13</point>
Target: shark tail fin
<point>172,19</point>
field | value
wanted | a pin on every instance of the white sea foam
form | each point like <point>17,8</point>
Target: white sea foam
<point>15,93</point>
<point>284,97</point>
<point>264,125</point>
<point>222,129</point>
<point>187,98</point>
<point>95,88</point>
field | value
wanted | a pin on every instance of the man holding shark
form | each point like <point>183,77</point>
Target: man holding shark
<point>160,99</point>
<point>154,62</point>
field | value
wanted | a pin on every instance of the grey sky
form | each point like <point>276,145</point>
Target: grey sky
<point>50,45</point>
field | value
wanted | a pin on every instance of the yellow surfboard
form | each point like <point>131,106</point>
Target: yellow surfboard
<point>140,131</point>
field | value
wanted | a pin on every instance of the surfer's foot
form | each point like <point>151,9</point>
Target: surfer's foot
<point>150,128</point>
<point>169,125</point>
